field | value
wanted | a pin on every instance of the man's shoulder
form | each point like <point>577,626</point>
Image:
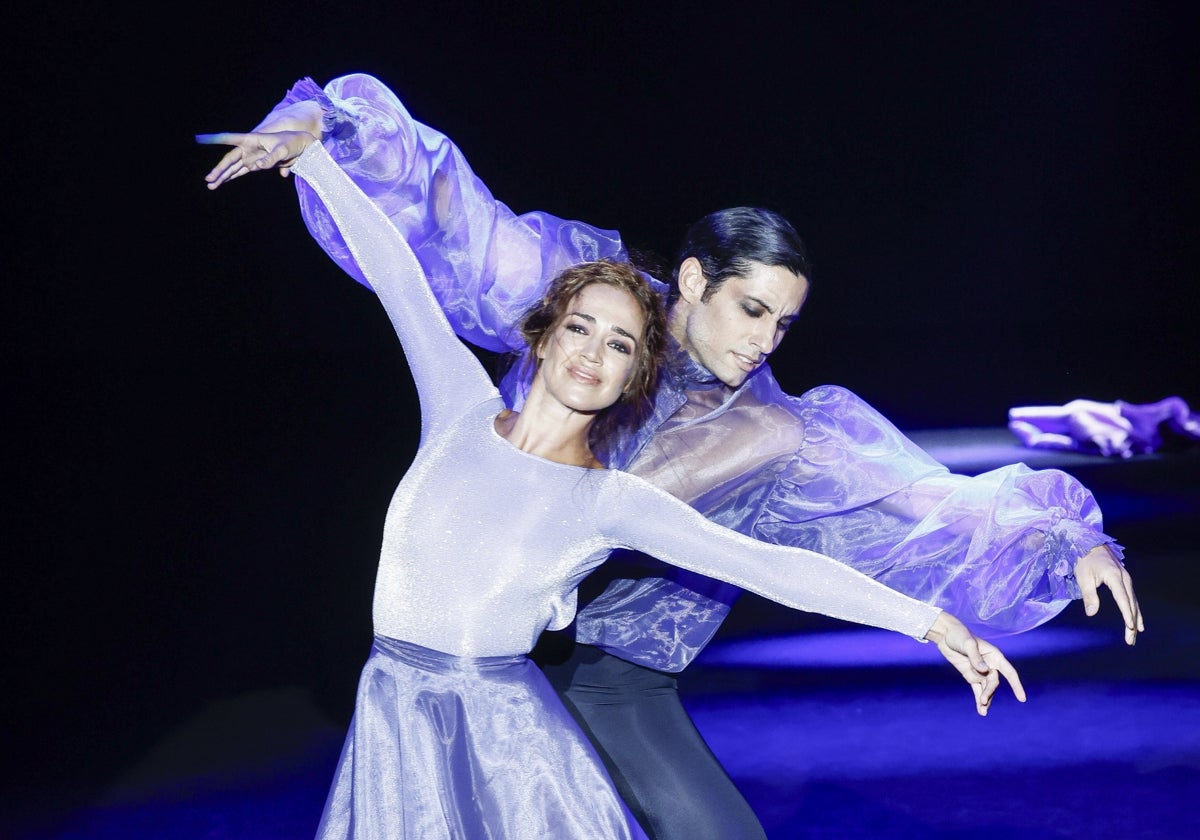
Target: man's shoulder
<point>765,388</point>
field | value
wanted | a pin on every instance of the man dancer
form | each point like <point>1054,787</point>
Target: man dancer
<point>1006,551</point>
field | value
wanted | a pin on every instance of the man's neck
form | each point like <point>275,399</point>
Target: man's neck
<point>677,326</point>
<point>684,368</point>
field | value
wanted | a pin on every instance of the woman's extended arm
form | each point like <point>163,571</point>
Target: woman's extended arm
<point>652,521</point>
<point>447,374</point>
<point>485,263</point>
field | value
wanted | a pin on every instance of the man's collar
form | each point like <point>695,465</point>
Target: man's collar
<point>686,372</point>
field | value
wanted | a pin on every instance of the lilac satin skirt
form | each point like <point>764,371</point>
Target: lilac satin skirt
<point>444,746</point>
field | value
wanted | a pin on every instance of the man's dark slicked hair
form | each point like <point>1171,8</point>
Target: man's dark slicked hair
<point>729,242</point>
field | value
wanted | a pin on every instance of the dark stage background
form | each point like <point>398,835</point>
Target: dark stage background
<point>206,419</point>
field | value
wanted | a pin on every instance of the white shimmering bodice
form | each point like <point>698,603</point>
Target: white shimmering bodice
<point>479,566</point>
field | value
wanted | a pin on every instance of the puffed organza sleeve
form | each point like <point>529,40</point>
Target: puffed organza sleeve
<point>485,264</point>
<point>639,516</point>
<point>448,376</point>
<point>998,550</point>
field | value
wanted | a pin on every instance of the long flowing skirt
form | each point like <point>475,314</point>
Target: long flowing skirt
<point>466,748</point>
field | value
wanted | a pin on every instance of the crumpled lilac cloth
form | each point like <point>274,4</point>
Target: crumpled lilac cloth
<point>1116,428</point>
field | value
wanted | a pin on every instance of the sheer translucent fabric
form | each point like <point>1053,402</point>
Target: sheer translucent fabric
<point>485,740</point>
<point>823,471</point>
<point>464,239</point>
<point>828,472</point>
<point>483,548</point>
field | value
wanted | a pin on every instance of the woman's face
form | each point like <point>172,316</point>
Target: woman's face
<point>589,356</point>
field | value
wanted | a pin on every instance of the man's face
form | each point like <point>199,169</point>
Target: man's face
<point>734,331</point>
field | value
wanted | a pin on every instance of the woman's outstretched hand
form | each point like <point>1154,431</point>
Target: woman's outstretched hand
<point>980,662</point>
<point>254,151</point>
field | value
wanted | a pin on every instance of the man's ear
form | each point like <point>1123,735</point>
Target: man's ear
<point>692,282</point>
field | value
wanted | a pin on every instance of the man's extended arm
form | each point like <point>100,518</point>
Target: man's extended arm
<point>1005,550</point>
<point>485,263</point>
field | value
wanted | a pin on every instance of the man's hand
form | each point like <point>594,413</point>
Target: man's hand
<point>1100,567</point>
<point>980,662</point>
<point>254,151</point>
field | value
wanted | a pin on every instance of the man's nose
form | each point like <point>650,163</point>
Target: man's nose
<point>765,337</point>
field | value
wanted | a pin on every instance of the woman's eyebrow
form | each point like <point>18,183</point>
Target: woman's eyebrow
<point>616,329</point>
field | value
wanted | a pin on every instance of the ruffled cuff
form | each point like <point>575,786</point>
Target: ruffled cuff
<point>1071,540</point>
<point>335,123</point>
<point>304,90</point>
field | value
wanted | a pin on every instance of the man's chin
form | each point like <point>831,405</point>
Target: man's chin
<point>730,373</point>
<point>734,378</point>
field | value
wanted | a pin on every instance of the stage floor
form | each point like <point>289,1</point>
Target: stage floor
<point>830,730</point>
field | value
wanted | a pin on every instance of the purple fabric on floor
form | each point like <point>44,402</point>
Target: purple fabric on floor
<point>1116,428</point>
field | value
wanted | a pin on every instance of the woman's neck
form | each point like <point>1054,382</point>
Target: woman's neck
<point>553,432</point>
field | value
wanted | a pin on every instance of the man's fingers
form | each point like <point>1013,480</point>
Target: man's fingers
<point>1133,620</point>
<point>1127,604</point>
<point>1091,598</point>
<point>1122,592</point>
<point>1102,567</point>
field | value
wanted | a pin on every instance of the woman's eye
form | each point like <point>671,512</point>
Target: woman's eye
<point>752,312</point>
<point>576,328</point>
<point>619,347</point>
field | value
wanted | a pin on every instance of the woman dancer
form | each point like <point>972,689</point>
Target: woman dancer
<point>500,516</point>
